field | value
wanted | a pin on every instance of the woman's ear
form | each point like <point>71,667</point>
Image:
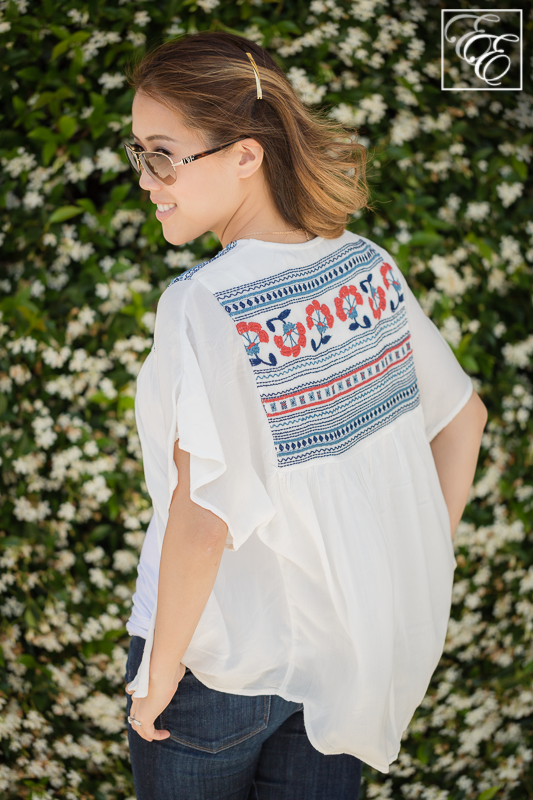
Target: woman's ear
<point>251,157</point>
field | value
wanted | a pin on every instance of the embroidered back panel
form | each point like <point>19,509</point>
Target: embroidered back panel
<point>330,349</point>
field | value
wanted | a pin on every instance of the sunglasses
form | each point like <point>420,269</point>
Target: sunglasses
<point>159,166</point>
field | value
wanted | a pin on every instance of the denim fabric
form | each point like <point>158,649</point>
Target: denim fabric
<point>232,747</point>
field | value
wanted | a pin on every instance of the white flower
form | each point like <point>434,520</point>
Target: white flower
<point>124,560</point>
<point>32,200</point>
<point>208,5</point>
<point>309,92</point>
<point>56,358</point>
<point>148,321</point>
<point>95,555</point>
<point>404,128</point>
<point>77,17</point>
<point>364,9</point>
<point>66,511</point>
<point>353,42</point>
<point>80,170</point>
<point>99,578</point>
<point>98,40</point>
<point>23,162</point>
<point>98,489</point>
<point>106,263</point>
<point>450,209</point>
<point>477,211</point>
<point>451,330</point>
<point>107,388</point>
<point>518,355</point>
<point>37,288</point>
<point>105,712</point>
<point>138,39</point>
<point>175,28</point>
<point>5,27</point>
<point>349,116</point>
<point>19,373</point>
<point>179,258</point>
<point>26,344</point>
<point>509,192</point>
<point>141,18</point>
<point>405,95</point>
<point>375,106</point>
<point>11,200</point>
<point>27,512</point>
<point>109,161</point>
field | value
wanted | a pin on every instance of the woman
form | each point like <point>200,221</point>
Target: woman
<point>309,441</point>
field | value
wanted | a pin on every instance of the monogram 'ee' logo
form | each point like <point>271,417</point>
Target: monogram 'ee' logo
<point>481,50</point>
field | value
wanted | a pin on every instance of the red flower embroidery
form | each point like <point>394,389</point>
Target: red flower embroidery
<point>346,302</point>
<point>292,339</point>
<point>320,316</point>
<point>253,334</point>
<point>385,269</point>
<point>377,301</point>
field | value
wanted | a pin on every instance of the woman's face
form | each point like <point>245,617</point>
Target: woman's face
<point>207,193</point>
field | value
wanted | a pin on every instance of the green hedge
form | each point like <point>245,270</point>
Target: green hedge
<point>83,265</point>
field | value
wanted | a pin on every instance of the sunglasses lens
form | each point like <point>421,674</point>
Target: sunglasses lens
<point>132,160</point>
<point>160,167</point>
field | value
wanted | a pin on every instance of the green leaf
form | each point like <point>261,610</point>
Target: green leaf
<point>43,99</point>
<point>67,126</point>
<point>63,213</point>
<point>59,31</point>
<point>488,794</point>
<point>87,205</point>
<point>19,105</point>
<point>41,133</point>
<point>120,192</point>
<point>520,168</point>
<point>29,74</point>
<point>48,151</point>
<point>425,238</point>
<point>28,661</point>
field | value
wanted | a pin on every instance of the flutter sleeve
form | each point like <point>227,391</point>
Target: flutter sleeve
<point>209,402</point>
<point>444,386</point>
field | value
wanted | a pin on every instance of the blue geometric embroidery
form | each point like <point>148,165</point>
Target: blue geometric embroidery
<point>324,395</point>
<point>190,273</point>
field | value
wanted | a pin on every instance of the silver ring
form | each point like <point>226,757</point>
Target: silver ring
<point>134,721</point>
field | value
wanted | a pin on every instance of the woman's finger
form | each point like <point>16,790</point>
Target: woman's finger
<point>151,734</point>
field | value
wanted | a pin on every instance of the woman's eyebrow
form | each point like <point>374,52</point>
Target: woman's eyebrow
<point>156,136</point>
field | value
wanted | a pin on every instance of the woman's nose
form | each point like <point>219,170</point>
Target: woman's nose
<point>147,182</point>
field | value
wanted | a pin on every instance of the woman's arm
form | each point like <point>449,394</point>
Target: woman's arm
<point>455,450</point>
<point>192,550</point>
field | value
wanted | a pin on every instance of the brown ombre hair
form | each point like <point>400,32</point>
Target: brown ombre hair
<point>316,173</point>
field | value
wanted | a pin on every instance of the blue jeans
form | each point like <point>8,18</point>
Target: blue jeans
<point>233,747</point>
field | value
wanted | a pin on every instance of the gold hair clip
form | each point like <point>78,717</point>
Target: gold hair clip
<point>257,81</point>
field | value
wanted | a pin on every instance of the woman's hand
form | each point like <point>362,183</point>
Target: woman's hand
<point>147,709</point>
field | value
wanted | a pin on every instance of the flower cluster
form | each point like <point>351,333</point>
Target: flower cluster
<point>83,265</point>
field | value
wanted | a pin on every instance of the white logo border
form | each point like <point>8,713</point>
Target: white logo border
<point>482,88</point>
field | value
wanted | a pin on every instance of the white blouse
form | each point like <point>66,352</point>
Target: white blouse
<point>306,383</point>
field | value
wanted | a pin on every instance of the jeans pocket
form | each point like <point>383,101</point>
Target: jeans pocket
<point>212,721</point>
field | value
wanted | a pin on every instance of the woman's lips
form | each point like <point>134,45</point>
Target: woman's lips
<point>163,215</point>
